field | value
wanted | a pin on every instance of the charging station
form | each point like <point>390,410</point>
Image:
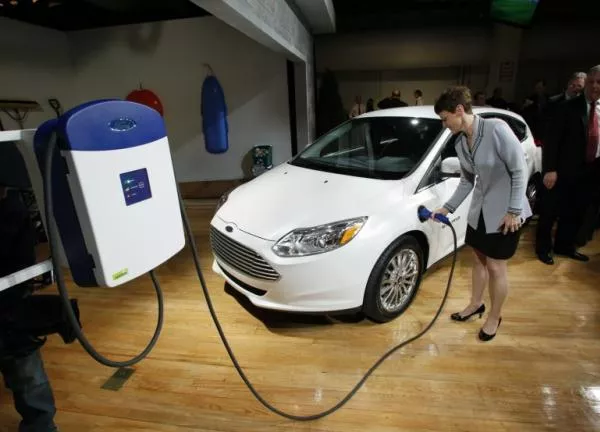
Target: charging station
<point>112,185</point>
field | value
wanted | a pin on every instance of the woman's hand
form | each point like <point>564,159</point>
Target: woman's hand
<point>443,211</point>
<point>510,223</point>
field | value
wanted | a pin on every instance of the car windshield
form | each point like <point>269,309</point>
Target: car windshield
<point>374,147</point>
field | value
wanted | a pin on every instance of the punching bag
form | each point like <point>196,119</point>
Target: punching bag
<point>214,116</point>
<point>146,97</point>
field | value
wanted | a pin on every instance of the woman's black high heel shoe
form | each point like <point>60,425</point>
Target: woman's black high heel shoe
<point>457,316</point>
<point>483,336</point>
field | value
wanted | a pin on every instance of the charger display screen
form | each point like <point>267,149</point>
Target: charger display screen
<point>136,186</point>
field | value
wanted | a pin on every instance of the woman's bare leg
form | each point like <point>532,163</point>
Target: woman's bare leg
<point>498,271</point>
<point>479,279</point>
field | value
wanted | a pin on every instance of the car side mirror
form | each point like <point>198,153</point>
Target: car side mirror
<point>450,167</point>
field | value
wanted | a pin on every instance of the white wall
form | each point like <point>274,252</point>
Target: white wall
<point>34,65</point>
<point>431,81</point>
<point>168,57</point>
<point>401,49</point>
<point>372,65</point>
<point>422,58</point>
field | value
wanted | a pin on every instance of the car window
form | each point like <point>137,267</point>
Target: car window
<point>518,127</point>
<point>341,141</point>
<point>373,147</point>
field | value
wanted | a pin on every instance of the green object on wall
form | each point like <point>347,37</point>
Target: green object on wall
<point>262,159</point>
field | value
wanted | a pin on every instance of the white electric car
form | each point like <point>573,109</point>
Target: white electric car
<point>336,228</point>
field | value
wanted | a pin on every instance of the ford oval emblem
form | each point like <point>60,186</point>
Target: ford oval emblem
<point>229,228</point>
<point>122,124</point>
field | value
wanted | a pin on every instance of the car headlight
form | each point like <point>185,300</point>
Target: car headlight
<point>323,238</point>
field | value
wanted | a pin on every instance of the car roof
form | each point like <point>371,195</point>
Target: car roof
<point>427,111</point>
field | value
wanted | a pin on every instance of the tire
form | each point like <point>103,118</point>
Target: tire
<point>404,248</point>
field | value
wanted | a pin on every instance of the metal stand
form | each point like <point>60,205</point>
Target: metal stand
<point>24,142</point>
<point>26,274</point>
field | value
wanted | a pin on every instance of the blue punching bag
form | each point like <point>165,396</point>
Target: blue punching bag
<point>214,116</point>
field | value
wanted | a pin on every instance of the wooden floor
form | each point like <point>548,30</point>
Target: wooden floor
<point>542,372</point>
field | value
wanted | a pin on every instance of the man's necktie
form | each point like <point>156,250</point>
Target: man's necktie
<point>593,134</point>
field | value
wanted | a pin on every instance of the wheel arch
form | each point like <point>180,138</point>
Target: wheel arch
<point>423,242</point>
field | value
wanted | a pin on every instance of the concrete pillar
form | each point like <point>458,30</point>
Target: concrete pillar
<point>305,102</point>
<point>320,14</point>
<point>270,22</point>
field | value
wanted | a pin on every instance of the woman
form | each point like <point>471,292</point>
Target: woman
<point>490,153</point>
<point>418,94</point>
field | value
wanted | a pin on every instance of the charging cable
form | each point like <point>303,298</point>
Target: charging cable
<point>423,214</point>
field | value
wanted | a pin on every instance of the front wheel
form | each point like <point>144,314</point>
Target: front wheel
<point>394,280</point>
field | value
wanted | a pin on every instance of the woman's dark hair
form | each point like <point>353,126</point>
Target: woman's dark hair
<point>418,93</point>
<point>453,97</point>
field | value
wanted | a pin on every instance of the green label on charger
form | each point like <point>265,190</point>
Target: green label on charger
<point>120,274</point>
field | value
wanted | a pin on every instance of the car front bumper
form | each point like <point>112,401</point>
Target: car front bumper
<point>328,282</point>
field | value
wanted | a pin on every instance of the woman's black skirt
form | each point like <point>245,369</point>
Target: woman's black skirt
<point>495,245</point>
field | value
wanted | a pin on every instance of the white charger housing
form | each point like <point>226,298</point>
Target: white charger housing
<point>114,191</point>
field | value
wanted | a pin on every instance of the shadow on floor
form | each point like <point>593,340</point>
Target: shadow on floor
<point>277,320</point>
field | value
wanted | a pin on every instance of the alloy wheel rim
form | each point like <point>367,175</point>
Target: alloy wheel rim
<point>399,280</point>
<point>531,194</point>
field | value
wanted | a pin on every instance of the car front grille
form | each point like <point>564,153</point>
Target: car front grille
<point>241,257</point>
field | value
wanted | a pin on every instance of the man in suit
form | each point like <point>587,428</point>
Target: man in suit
<point>571,163</point>
<point>394,101</point>
<point>574,88</point>
<point>548,205</point>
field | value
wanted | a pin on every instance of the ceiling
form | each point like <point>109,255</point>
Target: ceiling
<point>69,15</point>
<point>351,15</point>
<point>373,15</point>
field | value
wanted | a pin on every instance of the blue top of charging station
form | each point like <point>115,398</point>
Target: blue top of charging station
<point>109,124</point>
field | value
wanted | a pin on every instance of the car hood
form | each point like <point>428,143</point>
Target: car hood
<point>290,197</point>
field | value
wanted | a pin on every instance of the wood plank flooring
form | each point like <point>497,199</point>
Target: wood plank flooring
<point>542,372</point>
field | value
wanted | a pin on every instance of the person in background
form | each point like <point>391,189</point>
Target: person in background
<point>21,363</point>
<point>393,101</point>
<point>370,105</point>
<point>497,101</point>
<point>574,88</point>
<point>548,199</point>
<point>534,107</point>
<point>571,164</point>
<point>358,108</point>
<point>418,97</point>
<point>479,99</point>
<point>489,151</point>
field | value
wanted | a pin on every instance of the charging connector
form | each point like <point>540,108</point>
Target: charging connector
<point>424,214</point>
